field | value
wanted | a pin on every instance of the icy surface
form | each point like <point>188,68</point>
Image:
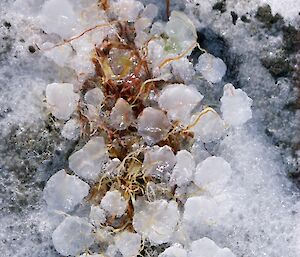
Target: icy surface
<point>88,161</point>
<point>262,220</point>
<point>71,130</point>
<point>63,192</point>
<point>121,115</point>
<point>72,236</point>
<point>97,215</point>
<point>174,251</point>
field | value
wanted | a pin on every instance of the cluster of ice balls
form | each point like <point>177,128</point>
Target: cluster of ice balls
<point>203,180</point>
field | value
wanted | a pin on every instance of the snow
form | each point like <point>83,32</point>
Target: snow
<point>114,203</point>
<point>179,100</point>
<point>184,169</point>
<point>212,174</point>
<point>156,220</point>
<point>153,125</point>
<point>235,106</point>
<point>72,236</point>
<point>61,99</point>
<point>63,192</point>
<point>212,68</point>
<point>88,161</point>
<point>128,243</point>
<point>127,9</point>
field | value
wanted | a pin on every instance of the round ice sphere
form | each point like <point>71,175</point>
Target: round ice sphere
<point>179,100</point>
<point>156,220</point>
<point>212,174</point>
<point>114,203</point>
<point>212,68</point>
<point>121,115</point>
<point>61,100</point>
<point>128,243</point>
<point>235,106</point>
<point>88,161</point>
<point>72,236</point>
<point>184,168</point>
<point>175,250</point>
<point>63,192</point>
<point>153,125</point>
<point>159,161</point>
<point>208,125</point>
<point>94,97</point>
<point>71,130</point>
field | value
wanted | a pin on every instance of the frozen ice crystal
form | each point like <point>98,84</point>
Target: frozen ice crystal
<point>156,220</point>
<point>179,100</point>
<point>208,126</point>
<point>61,99</point>
<point>153,125</point>
<point>127,9</point>
<point>114,203</point>
<point>175,250</point>
<point>94,97</point>
<point>121,115</point>
<point>184,168</point>
<point>128,243</point>
<point>72,236</point>
<point>159,161</point>
<point>87,162</point>
<point>208,248</point>
<point>212,68</point>
<point>63,192</point>
<point>235,106</point>
<point>71,130</point>
<point>212,174</point>
<point>97,215</point>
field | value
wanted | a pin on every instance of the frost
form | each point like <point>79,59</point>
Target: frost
<point>212,68</point>
<point>71,130</point>
<point>153,125</point>
<point>174,251</point>
<point>63,192</point>
<point>184,168</point>
<point>61,99</point>
<point>156,221</point>
<point>114,203</point>
<point>121,115</point>
<point>159,161</point>
<point>97,215</point>
<point>179,100</point>
<point>128,243</point>
<point>208,248</point>
<point>212,174</point>
<point>87,162</point>
<point>72,236</point>
<point>208,125</point>
<point>235,106</point>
